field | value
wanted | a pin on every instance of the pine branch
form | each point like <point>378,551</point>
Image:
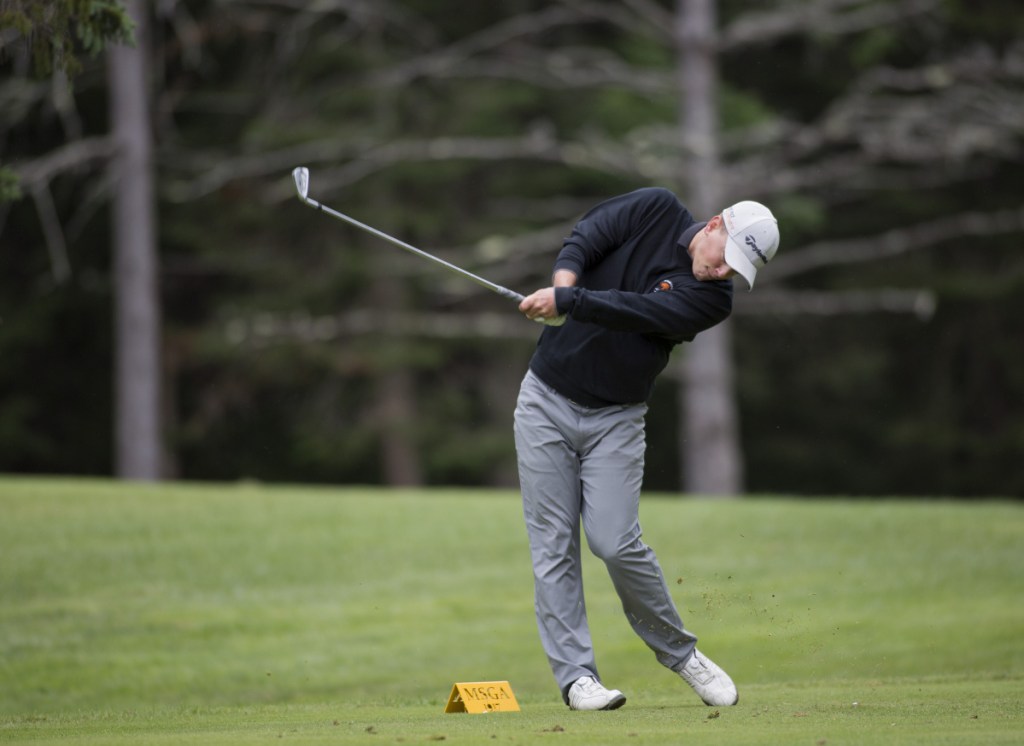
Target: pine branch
<point>266,329</point>
<point>40,171</point>
<point>897,241</point>
<point>823,17</point>
<point>920,302</point>
<point>49,220</point>
<point>365,158</point>
<point>459,53</point>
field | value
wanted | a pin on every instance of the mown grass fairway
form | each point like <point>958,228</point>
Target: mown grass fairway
<point>249,614</point>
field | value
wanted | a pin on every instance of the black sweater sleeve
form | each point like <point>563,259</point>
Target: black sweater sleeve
<point>677,315</point>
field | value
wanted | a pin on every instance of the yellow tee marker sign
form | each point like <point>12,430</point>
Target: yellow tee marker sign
<point>482,696</point>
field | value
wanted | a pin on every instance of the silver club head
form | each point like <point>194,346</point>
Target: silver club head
<point>301,176</point>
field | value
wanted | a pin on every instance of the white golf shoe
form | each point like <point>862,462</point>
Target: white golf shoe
<point>711,683</point>
<point>588,694</point>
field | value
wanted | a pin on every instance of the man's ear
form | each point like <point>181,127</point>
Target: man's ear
<point>714,224</point>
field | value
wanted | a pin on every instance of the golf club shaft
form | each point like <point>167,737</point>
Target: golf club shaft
<point>502,291</point>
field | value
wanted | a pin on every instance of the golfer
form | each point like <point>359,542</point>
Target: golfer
<point>638,276</point>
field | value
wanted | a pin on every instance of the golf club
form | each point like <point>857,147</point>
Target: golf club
<point>301,176</point>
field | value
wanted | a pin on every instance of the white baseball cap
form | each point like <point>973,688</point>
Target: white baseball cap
<point>753,238</point>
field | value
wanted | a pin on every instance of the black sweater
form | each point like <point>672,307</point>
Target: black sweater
<point>635,299</point>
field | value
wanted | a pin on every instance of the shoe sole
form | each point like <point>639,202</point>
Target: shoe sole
<point>615,703</point>
<point>730,704</point>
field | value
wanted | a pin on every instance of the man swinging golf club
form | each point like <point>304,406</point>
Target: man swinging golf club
<point>637,276</point>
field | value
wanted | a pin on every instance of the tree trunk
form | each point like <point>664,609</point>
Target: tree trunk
<point>396,397</point>
<point>712,458</point>
<point>136,294</point>
<point>396,392</point>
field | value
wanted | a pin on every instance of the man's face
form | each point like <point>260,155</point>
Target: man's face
<point>708,252</point>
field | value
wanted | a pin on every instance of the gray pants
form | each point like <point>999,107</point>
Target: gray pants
<point>579,463</point>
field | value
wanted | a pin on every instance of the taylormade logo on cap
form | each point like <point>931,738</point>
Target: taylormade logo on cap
<point>753,238</point>
<point>752,243</point>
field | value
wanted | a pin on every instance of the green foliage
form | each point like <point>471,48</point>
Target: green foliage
<point>10,189</point>
<point>14,18</point>
<point>1001,20</point>
<point>34,433</point>
<point>427,141</point>
<point>619,110</point>
<point>55,30</point>
<point>740,109</point>
<point>102,22</point>
<point>875,46</point>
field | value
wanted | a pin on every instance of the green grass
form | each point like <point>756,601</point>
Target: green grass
<point>247,614</point>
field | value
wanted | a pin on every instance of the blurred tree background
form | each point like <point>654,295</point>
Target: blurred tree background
<point>882,352</point>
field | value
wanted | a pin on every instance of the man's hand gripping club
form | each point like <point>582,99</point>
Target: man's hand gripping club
<point>540,305</point>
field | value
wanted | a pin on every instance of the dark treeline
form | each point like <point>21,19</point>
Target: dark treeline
<point>881,354</point>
